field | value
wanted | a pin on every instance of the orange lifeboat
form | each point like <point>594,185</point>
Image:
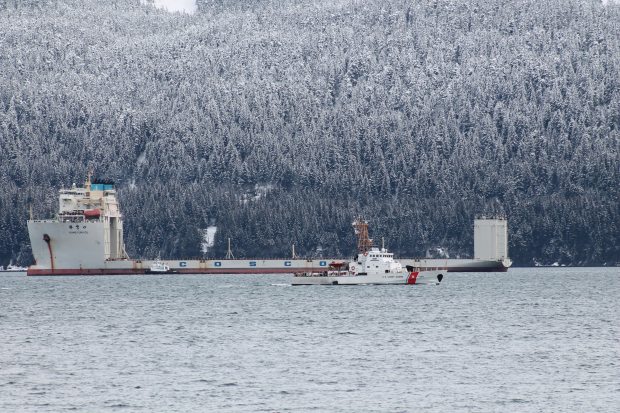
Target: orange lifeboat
<point>92,213</point>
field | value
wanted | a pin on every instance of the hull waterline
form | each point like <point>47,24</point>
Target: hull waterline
<point>139,267</point>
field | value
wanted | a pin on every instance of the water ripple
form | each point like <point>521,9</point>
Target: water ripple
<point>531,340</point>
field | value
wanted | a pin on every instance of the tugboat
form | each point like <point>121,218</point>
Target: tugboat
<point>370,266</point>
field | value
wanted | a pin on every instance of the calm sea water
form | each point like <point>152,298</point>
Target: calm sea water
<point>529,340</point>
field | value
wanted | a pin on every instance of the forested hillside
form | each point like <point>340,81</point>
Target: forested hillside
<point>419,115</point>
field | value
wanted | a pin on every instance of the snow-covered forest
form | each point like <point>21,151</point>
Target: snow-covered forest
<point>418,114</point>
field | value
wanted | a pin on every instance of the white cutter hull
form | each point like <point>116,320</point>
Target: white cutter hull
<point>422,277</point>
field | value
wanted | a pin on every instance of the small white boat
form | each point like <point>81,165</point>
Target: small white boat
<point>158,267</point>
<point>13,268</point>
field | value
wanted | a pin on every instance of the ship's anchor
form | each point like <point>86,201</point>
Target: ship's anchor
<point>48,240</point>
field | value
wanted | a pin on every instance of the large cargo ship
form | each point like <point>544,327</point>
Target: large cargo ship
<point>86,238</point>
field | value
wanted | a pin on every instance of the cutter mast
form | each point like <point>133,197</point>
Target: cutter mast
<point>364,242</point>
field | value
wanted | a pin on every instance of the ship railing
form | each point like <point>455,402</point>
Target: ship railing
<point>266,259</point>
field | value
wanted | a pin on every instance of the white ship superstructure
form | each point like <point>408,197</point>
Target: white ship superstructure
<point>87,232</point>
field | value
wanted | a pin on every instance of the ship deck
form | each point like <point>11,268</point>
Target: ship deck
<point>255,266</point>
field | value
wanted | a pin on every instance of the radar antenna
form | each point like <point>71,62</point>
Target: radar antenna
<point>89,176</point>
<point>364,243</point>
